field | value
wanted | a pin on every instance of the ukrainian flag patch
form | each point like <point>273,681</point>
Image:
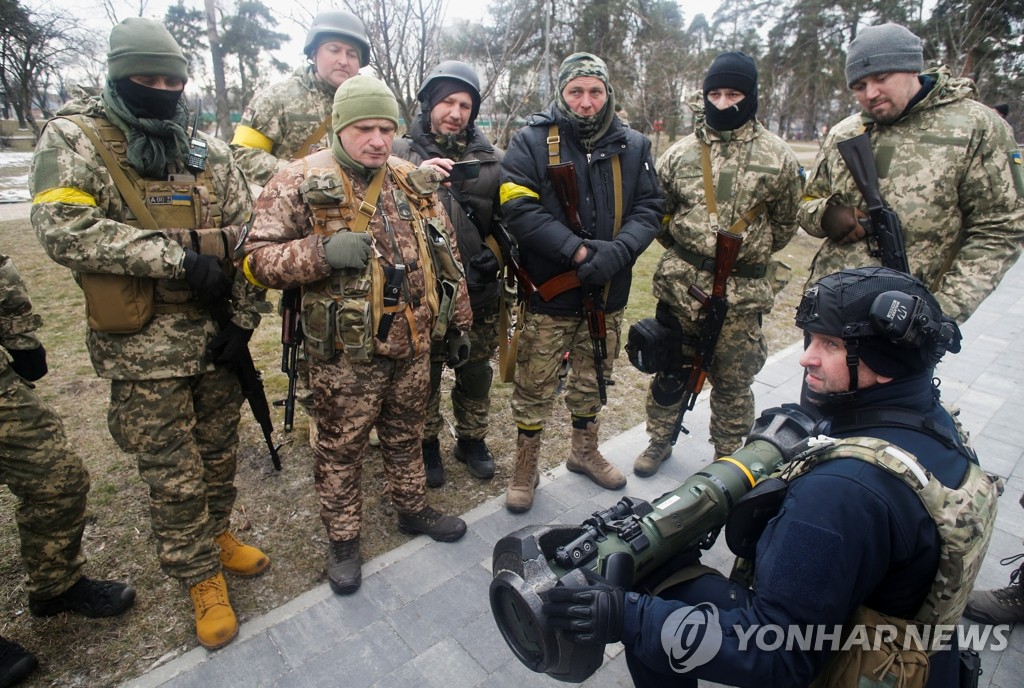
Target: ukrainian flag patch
<point>1015,157</point>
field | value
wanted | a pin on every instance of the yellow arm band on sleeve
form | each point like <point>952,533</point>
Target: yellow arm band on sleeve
<point>247,137</point>
<point>810,198</point>
<point>510,191</point>
<point>64,194</point>
<point>247,271</point>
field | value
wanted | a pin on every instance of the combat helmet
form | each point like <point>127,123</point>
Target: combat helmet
<point>342,24</point>
<point>885,317</point>
<point>449,70</point>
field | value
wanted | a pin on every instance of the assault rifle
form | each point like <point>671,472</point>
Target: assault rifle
<point>291,340</point>
<point>250,381</point>
<point>885,237</point>
<point>510,250</point>
<point>714,307</point>
<point>563,179</point>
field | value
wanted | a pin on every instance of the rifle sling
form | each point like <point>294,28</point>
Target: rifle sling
<point>305,148</point>
<point>748,271</point>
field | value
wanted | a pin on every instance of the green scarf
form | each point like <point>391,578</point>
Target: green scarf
<point>153,144</point>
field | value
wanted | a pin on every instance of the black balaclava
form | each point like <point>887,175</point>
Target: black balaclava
<point>737,71</point>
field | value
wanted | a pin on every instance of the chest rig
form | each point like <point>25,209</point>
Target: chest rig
<point>184,207</point>
<point>345,311</point>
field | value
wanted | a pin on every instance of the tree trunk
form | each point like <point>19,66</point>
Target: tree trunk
<point>224,128</point>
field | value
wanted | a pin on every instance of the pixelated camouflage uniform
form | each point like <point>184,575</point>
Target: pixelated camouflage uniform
<point>169,405</point>
<point>36,462</point>
<point>278,120</point>
<point>471,399</point>
<point>349,397</point>
<point>750,167</point>
<point>953,175</point>
<point>546,244</point>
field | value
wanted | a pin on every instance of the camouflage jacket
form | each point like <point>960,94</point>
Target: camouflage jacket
<point>277,121</point>
<point>282,252</point>
<point>17,321</point>
<point>953,175</point>
<point>480,195</point>
<point>749,166</point>
<point>79,217</point>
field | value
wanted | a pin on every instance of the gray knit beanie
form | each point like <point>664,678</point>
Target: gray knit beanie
<point>883,48</point>
<point>144,47</point>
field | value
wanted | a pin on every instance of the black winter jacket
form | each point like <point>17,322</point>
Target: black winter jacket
<point>480,195</point>
<point>536,219</point>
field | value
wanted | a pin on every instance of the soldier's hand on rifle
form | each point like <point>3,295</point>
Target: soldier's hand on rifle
<point>204,275</point>
<point>843,224</point>
<point>458,348</point>
<point>348,250</point>
<point>228,345</point>
<point>483,268</point>
<point>30,364</point>
<point>604,259</point>
<point>589,615</point>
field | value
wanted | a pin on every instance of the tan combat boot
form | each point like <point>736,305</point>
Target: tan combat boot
<point>585,458</point>
<point>650,460</point>
<point>216,624</point>
<point>519,496</point>
<point>238,559</point>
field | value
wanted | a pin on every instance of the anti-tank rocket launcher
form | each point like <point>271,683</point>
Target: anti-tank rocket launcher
<point>634,544</point>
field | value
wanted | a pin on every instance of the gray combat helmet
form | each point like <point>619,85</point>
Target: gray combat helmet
<point>343,25</point>
<point>444,76</point>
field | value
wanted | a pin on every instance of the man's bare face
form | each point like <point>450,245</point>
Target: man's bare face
<point>885,96</point>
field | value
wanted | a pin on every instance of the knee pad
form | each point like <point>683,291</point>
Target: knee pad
<point>474,379</point>
<point>667,388</point>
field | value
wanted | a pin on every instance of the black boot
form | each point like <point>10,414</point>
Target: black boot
<point>430,521</point>
<point>87,597</point>
<point>432,462</point>
<point>344,567</point>
<point>15,663</point>
<point>477,457</point>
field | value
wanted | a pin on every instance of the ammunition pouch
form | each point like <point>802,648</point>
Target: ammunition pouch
<point>118,304</point>
<point>319,318</point>
<point>448,273</point>
<point>655,344</point>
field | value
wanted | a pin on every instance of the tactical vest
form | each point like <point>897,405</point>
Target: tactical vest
<point>344,311</point>
<point>184,207</point>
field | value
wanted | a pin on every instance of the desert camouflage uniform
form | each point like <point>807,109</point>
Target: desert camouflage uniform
<point>350,397</point>
<point>953,175</point>
<point>749,166</point>
<point>278,120</point>
<point>470,409</point>
<point>169,405</point>
<point>36,463</point>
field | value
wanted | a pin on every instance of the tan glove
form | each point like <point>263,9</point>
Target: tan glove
<point>843,224</point>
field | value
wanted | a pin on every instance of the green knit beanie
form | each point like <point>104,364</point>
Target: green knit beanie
<point>363,97</point>
<point>144,47</point>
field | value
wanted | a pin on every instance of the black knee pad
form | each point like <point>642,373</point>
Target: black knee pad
<point>474,379</point>
<point>667,387</point>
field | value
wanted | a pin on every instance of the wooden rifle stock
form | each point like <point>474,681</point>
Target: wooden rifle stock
<point>563,179</point>
<point>714,308</point>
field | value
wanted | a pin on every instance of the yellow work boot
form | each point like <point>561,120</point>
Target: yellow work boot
<point>238,559</point>
<point>216,624</point>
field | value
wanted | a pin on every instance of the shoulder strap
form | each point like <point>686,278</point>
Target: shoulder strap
<point>746,218</point>
<point>554,142</point>
<point>896,417</point>
<point>318,133</point>
<point>128,191</point>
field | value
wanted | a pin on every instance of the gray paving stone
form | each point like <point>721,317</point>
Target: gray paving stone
<point>436,614</point>
<point>255,663</point>
<point>448,665</point>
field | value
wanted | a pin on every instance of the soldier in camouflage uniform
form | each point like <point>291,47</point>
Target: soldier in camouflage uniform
<point>48,480</point>
<point>444,133</point>
<point>946,164</point>
<point>619,206</point>
<point>755,173</point>
<point>149,240</point>
<point>351,227</point>
<point>286,119</point>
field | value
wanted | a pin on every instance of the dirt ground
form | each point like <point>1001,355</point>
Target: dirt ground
<point>276,511</point>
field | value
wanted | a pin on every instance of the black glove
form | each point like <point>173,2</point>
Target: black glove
<point>458,348</point>
<point>204,275</point>
<point>227,346</point>
<point>608,258</point>
<point>590,615</point>
<point>486,264</point>
<point>29,363</point>
<point>843,224</point>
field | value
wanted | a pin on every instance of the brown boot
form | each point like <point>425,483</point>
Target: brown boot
<point>585,458</point>
<point>216,624</point>
<point>650,460</point>
<point>519,496</point>
<point>238,559</point>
